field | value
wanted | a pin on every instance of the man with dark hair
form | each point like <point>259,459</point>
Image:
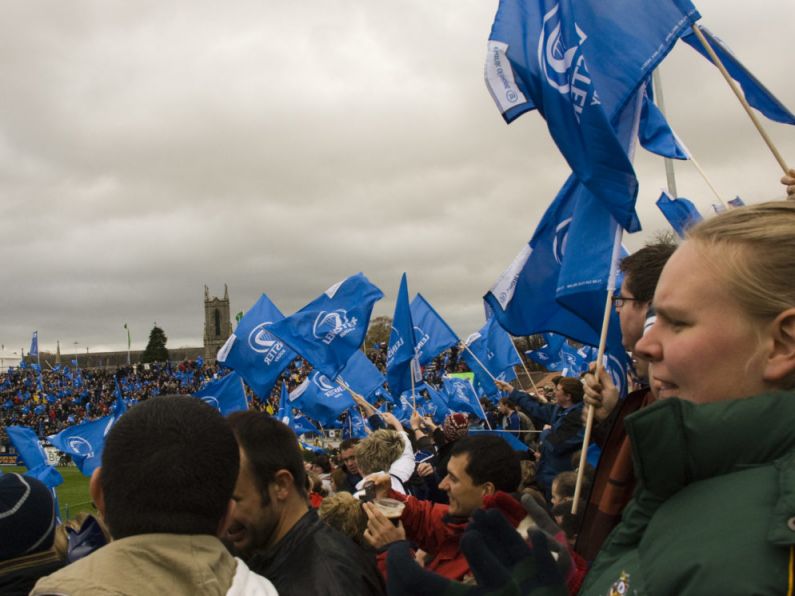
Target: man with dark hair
<point>168,469</point>
<point>565,432</point>
<point>347,475</point>
<point>274,528</point>
<point>480,471</point>
<point>614,480</point>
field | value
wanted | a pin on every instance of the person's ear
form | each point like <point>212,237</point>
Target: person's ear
<point>226,518</point>
<point>95,489</point>
<point>780,362</point>
<point>283,484</point>
<point>488,488</point>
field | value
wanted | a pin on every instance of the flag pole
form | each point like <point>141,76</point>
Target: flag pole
<point>488,372</point>
<point>524,366</point>
<point>611,282</point>
<point>717,61</point>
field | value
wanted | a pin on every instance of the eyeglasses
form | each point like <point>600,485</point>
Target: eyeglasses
<point>618,301</point>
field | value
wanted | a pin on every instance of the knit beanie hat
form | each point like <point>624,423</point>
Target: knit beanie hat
<point>27,516</point>
<point>455,426</point>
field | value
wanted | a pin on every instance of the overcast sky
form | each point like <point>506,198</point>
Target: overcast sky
<point>148,148</point>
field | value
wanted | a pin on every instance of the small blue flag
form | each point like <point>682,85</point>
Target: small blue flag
<point>401,353</point>
<point>300,425</point>
<point>755,92</point>
<point>361,375</point>
<point>437,407</point>
<point>327,331</point>
<point>655,134</point>
<point>226,394</point>
<point>461,396</point>
<point>34,344</point>
<point>321,399</point>
<point>492,348</point>
<point>30,450</point>
<point>679,212</point>
<point>355,426</point>
<point>84,442</point>
<point>509,437</point>
<point>549,353</point>
<point>253,352</point>
<point>432,334</point>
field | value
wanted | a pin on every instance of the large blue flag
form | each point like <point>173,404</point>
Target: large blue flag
<point>34,344</point>
<point>579,62</point>
<point>679,212</point>
<point>253,352</point>
<point>84,442</point>
<point>432,333</point>
<point>361,375</point>
<point>461,396</point>
<point>30,450</point>
<point>321,399</point>
<point>401,354</point>
<point>328,330</point>
<point>492,348</point>
<point>755,92</point>
<point>226,394</point>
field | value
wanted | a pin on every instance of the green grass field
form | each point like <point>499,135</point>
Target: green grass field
<point>73,494</point>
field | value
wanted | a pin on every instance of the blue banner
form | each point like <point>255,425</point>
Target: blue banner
<point>32,455</point>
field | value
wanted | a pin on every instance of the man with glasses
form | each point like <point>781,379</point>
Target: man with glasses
<point>614,481</point>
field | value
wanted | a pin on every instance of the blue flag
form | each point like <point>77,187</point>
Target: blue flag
<point>492,348</point>
<point>34,344</point>
<point>30,450</point>
<point>226,394</point>
<point>253,352</point>
<point>579,63</point>
<point>321,399</point>
<point>509,437</point>
<point>548,354</point>
<point>361,375</point>
<point>432,333</point>
<point>401,354</point>
<point>680,213</point>
<point>84,442</point>
<point>328,330</point>
<point>655,134</point>
<point>436,407</point>
<point>355,426</point>
<point>461,396</point>
<point>755,92</point>
<point>300,425</point>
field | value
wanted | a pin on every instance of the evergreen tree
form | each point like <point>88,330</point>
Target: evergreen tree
<point>156,347</point>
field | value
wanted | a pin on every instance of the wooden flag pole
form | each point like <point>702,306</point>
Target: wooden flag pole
<point>524,366</point>
<point>600,355</point>
<point>488,372</point>
<point>717,61</point>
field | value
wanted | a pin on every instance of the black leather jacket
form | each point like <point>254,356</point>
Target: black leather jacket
<point>316,559</point>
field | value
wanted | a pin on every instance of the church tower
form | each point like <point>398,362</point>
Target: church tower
<point>217,324</point>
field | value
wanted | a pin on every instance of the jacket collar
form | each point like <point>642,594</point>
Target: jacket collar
<point>676,442</point>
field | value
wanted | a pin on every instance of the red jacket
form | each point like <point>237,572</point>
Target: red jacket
<point>428,526</point>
